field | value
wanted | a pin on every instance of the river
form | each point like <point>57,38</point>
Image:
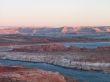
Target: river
<point>82,76</point>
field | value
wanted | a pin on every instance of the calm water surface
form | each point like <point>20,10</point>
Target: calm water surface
<point>87,44</point>
<point>82,76</point>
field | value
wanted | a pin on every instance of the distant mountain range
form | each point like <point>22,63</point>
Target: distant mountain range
<point>60,30</point>
<point>86,29</point>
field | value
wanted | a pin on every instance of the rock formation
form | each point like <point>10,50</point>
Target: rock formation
<point>20,74</point>
<point>57,47</point>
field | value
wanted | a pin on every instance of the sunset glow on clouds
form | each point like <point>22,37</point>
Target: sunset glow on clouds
<point>54,12</point>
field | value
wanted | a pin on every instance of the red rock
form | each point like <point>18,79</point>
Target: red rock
<point>30,75</point>
<point>57,47</point>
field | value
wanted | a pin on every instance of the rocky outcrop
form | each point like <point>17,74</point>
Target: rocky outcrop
<point>20,74</point>
<point>8,30</point>
<point>70,30</point>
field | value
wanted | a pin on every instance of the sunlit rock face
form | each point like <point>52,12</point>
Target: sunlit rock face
<point>108,30</point>
<point>52,31</point>
<point>8,31</point>
<point>97,29</point>
<point>102,29</point>
<point>70,29</point>
<point>20,74</point>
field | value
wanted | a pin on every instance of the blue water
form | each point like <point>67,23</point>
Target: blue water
<point>87,44</point>
<point>82,76</point>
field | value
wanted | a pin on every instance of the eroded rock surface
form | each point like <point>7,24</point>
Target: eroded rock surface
<point>20,74</point>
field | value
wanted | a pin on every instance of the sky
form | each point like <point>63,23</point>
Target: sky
<point>54,12</point>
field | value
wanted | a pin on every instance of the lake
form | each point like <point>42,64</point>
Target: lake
<point>82,76</point>
<point>87,44</point>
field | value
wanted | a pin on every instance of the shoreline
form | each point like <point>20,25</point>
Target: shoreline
<point>53,65</point>
<point>58,61</point>
<point>20,74</point>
